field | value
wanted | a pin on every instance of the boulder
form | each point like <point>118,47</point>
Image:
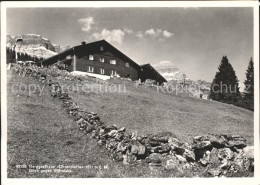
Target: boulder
<point>138,150</point>
<point>154,158</point>
<point>217,141</point>
<point>174,143</point>
<point>225,153</point>
<point>249,152</point>
<point>121,129</point>
<point>181,158</point>
<point>214,172</point>
<point>205,160</point>
<point>112,133</point>
<point>214,159</point>
<point>243,162</point>
<point>236,141</point>
<point>189,155</point>
<point>202,145</point>
<point>171,162</point>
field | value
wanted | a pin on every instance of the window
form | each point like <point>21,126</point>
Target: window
<point>113,72</point>
<point>90,69</point>
<point>127,64</point>
<point>102,71</point>
<point>113,62</point>
<point>101,48</point>
<point>102,60</point>
<point>91,57</point>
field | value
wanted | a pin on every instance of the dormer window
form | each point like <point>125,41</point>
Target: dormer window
<point>113,62</point>
<point>91,57</point>
<point>127,64</point>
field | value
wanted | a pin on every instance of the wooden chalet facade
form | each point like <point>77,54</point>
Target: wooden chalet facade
<point>102,58</point>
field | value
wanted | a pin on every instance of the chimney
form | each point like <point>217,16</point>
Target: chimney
<point>83,43</point>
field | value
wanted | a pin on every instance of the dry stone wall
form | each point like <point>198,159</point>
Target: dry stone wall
<point>216,155</point>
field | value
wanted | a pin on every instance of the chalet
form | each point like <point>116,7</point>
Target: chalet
<point>101,58</point>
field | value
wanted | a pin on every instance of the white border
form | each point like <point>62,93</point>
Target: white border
<point>237,181</point>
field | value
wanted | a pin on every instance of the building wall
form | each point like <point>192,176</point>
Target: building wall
<point>82,64</point>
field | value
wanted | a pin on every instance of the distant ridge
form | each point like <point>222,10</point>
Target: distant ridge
<point>34,45</point>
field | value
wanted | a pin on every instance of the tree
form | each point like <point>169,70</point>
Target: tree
<point>225,87</point>
<point>249,86</point>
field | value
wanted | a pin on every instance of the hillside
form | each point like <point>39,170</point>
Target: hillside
<point>40,132</point>
<point>145,110</point>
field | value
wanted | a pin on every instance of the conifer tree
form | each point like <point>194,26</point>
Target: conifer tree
<point>225,87</point>
<point>249,86</point>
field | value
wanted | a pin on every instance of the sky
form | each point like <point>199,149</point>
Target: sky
<point>192,39</point>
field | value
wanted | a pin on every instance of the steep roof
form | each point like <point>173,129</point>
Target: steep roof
<point>51,60</point>
<point>154,71</point>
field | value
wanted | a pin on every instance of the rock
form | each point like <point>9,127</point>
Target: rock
<point>243,162</point>
<point>217,141</point>
<point>154,158</point>
<point>189,155</point>
<point>225,153</point>
<point>214,172</point>
<point>249,152</point>
<point>121,129</point>
<point>154,143</point>
<point>214,159</point>
<point>202,145</point>
<point>118,156</point>
<point>125,159</point>
<point>100,142</point>
<point>236,141</point>
<point>161,139</point>
<point>165,148</point>
<point>112,133</point>
<point>225,164</point>
<point>205,160</point>
<point>134,136</point>
<point>102,131</point>
<point>138,150</point>
<point>176,145</point>
<point>180,158</point>
<point>172,162</point>
<point>119,136</point>
<point>109,128</point>
<point>122,147</point>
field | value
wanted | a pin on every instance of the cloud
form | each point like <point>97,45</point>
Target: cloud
<point>86,23</point>
<point>153,33</point>
<point>167,34</point>
<point>128,31</point>
<point>158,33</point>
<point>164,63</point>
<point>139,34</point>
<point>113,36</point>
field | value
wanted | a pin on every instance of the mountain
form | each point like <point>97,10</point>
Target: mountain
<point>34,45</point>
<point>170,72</point>
<point>177,79</point>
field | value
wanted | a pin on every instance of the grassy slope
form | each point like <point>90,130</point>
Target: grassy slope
<point>147,111</point>
<point>39,130</point>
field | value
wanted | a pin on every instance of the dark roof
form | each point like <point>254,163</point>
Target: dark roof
<point>52,60</point>
<point>154,70</point>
